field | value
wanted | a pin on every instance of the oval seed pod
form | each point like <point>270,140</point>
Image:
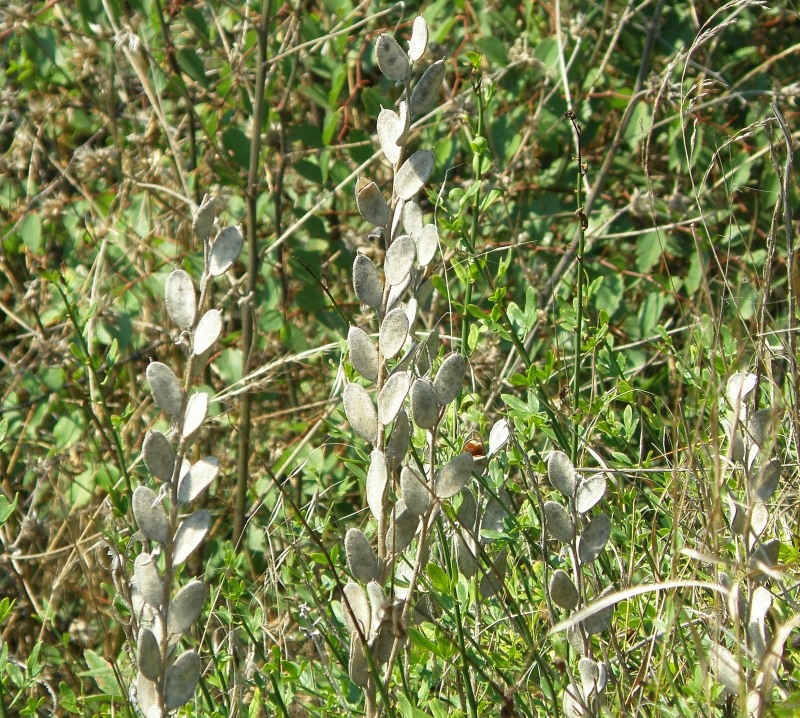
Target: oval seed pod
<point>357,667</point>
<point>397,446</point>
<point>146,581</point>
<point>402,527</point>
<point>419,39</point>
<point>150,515</point>
<point>415,490</point>
<point>594,538</point>
<point>449,378</point>
<point>225,251</point>
<point>592,676</point>
<point>589,492</point>
<point>492,581</point>
<point>600,621</point>
<point>165,387</point>
<point>185,607</point>
<point>400,258</point>
<point>159,458</point>
<point>413,174</point>
<point>367,282</point>
<point>424,407</point>
<point>182,678</point>
<point>392,396</point>
<point>561,473</point>
<point>355,609</point>
<point>725,668</point>
<point>427,88</point>
<point>562,591</point>
<point>360,412</point>
<point>453,476</point>
<point>180,298</point>
<point>392,61</point>
<point>371,204</point>
<point>412,218</point>
<point>361,559</point>
<point>203,221</point>
<point>393,332</point>
<point>392,130</point>
<point>427,244</point>
<point>193,482</point>
<point>207,332</point>
<point>377,483</point>
<point>558,522</point>
<point>190,533</point>
<point>363,354</point>
<point>148,656</point>
<point>498,436</point>
<point>196,412</point>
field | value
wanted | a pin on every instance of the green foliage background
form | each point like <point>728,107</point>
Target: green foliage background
<point>116,116</point>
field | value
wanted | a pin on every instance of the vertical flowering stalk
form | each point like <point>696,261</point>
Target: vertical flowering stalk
<point>169,530</point>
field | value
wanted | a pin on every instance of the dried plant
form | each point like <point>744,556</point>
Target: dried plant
<point>168,534</point>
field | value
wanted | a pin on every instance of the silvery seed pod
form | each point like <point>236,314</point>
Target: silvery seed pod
<point>449,379</point>
<point>594,538</point>
<point>377,483</point>
<point>195,415</point>
<point>361,559</point>
<point>159,458</point>
<point>392,396</point>
<point>207,332</point>
<point>360,412</point>
<point>400,258</point>
<point>413,174</point>
<point>225,251</point>
<point>561,473</point>
<point>371,204</point>
<point>191,531</point>
<point>180,299</point>
<point>427,244</point>
<point>195,480</point>
<point>182,678</point>
<point>419,39</point>
<point>453,476</point>
<point>148,654</point>
<point>367,282</point>
<point>424,407</point>
<point>393,333</point>
<point>363,353</point>
<point>562,591</point>
<point>589,492</point>
<point>402,527</point>
<point>558,522</point>
<point>392,61</point>
<point>355,609</point>
<point>185,607</point>
<point>150,515</point>
<point>416,492</point>
<point>203,221</point>
<point>165,387</point>
<point>427,89</point>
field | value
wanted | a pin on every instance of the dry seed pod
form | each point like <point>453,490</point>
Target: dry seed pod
<point>427,352</point>
<point>492,581</point>
<point>589,492</point>
<point>203,221</point>
<point>225,251</point>
<point>413,174</point>
<point>601,620</point>
<point>765,482</point>
<point>392,61</point>
<point>494,515</point>
<point>415,490</point>
<point>159,458</point>
<point>393,333</point>
<point>367,282</point>
<point>424,407</point>
<point>371,204</point>
<point>151,518</point>
<point>392,130</point>
<point>146,581</point>
<point>573,703</point>
<point>561,473</point>
<point>195,415</point>
<point>361,559</point>
<point>186,606</point>
<point>449,379</point>
<point>400,258</point>
<point>165,387</point>
<point>593,676</point>
<point>357,616</point>
<point>427,244</point>
<point>427,88</point>
<point>357,667</point>
<point>360,412</point>
<point>562,591</point>
<point>412,218</point>
<point>194,481</point>
<point>396,292</point>
<point>182,678</point>
<point>558,522</point>
<point>190,533</point>
<point>207,332</point>
<point>397,446</point>
<point>181,299</point>
<point>419,39</point>
<point>759,518</point>
<point>498,436</point>
<point>148,656</point>
<point>392,396</point>
<point>402,527</point>
<point>377,482</point>
<point>453,477</point>
<point>594,538</point>
<point>363,354</point>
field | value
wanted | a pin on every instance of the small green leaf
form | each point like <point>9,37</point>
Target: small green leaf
<point>103,674</point>
<point>192,65</point>
<point>439,579</point>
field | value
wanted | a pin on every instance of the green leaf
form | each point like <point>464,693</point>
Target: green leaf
<point>6,509</point>
<point>439,579</point>
<point>30,231</point>
<point>192,65</point>
<point>103,673</point>
<point>237,146</point>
